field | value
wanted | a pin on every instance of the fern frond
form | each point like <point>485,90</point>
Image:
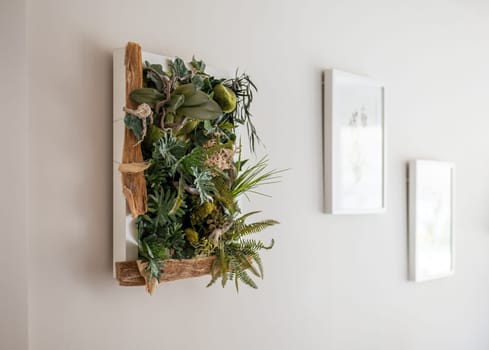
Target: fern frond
<point>223,261</point>
<point>214,273</point>
<point>246,264</point>
<point>246,279</point>
<point>240,229</point>
<point>257,258</point>
<point>194,159</point>
<point>249,246</point>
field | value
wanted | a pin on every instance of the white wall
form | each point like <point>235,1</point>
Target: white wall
<point>13,176</point>
<point>331,282</point>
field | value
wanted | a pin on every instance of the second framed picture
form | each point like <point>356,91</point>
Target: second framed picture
<point>431,231</point>
<point>354,142</point>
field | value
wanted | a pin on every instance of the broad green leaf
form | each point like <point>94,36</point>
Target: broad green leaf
<point>186,90</point>
<point>197,99</point>
<point>147,95</point>
<point>207,111</point>
<point>176,100</point>
<point>135,124</point>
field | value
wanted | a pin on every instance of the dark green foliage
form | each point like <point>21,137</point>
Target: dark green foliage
<point>160,205</point>
<point>178,68</point>
<point>153,248</point>
<point>168,150</point>
<point>192,187</point>
<point>135,125</point>
<point>195,159</point>
<point>199,66</point>
<point>244,88</point>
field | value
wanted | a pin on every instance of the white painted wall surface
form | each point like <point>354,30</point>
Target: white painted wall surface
<point>13,176</point>
<point>335,283</point>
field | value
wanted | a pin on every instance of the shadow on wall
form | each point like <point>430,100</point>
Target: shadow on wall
<point>92,121</point>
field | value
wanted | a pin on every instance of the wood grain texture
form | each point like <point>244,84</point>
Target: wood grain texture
<point>134,185</point>
<point>127,272</point>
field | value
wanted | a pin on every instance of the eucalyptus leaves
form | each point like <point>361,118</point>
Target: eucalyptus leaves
<point>186,122</point>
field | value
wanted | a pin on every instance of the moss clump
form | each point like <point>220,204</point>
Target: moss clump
<point>191,235</point>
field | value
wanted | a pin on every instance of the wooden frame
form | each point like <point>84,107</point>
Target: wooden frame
<point>354,144</point>
<point>431,233</point>
<point>129,190</point>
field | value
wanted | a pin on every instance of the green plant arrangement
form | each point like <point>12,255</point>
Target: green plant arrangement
<point>186,123</point>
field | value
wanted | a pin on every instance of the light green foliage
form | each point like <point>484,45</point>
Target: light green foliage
<point>168,149</point>
<point>204,185</point>
<point>254,176</point>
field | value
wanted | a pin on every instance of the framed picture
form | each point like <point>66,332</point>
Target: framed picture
<point>354,141</point>
<point>431,237</point>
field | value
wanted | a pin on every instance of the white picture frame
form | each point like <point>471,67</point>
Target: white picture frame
<point>354,144</point>
<point>431,233</point>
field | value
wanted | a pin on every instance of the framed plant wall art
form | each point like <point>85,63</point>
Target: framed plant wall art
<point>431,236</point>
<point>179,172</point>
<point>354,141</point>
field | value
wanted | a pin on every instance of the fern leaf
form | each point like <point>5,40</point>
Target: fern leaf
<point>236,282</point>
<point>194,159</point>
<point>214,273</point>
<point>247,265</point>
<point>240,230</point>
<point>256,257</point>
<point>249,246</point>
<point>246,279</point>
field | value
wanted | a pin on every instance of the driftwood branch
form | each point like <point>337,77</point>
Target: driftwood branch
<point>127,272</point>
<point>134,184</point>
